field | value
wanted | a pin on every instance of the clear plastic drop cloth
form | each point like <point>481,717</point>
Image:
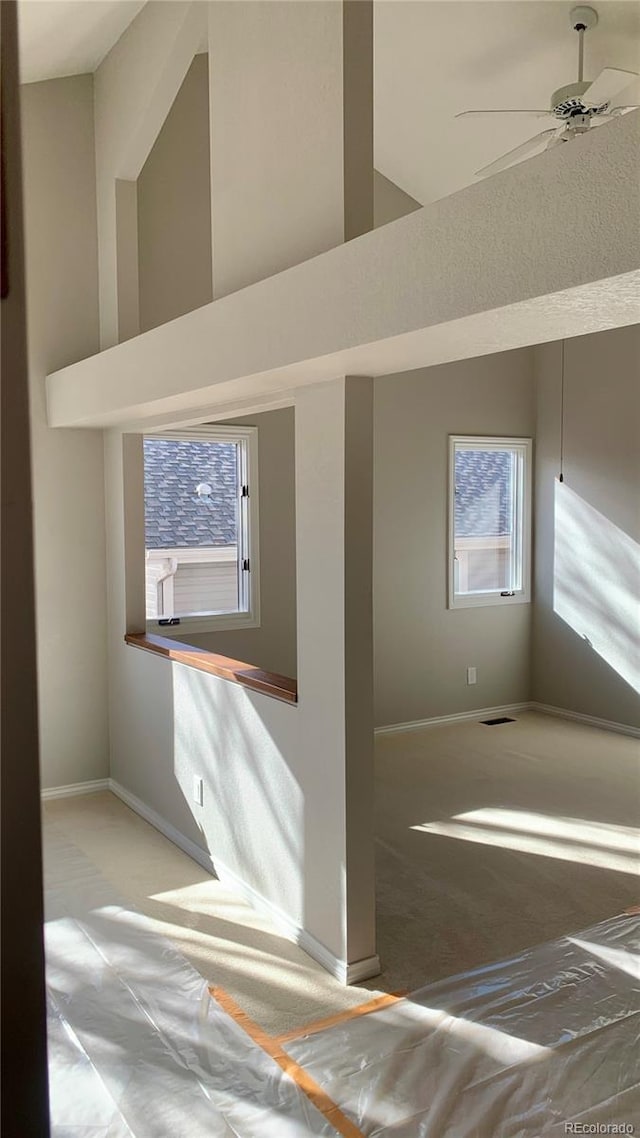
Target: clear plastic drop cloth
<point>136,1048</point>
<point>518,1049</point>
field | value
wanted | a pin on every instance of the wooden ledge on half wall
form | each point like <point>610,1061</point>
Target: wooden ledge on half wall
<point>267,683</point>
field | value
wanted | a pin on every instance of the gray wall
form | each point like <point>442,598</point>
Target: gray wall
<point>68,482</point>
<point>174,208</point>
<point>273,644</point>
<point>389,201</point>
<point>586,633</point>
<point>279,811</point>
<point>422,649</point>
<point>276,113</point>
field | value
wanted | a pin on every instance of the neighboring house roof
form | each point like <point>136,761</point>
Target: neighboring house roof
<point>174,515</point>
<point>483,498</point>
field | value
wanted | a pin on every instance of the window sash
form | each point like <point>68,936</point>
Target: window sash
<point>516,587</point>
<point>247,614</point>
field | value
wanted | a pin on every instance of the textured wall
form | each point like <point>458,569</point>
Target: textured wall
<point>422,648</point>
<point>586,643</point>
<point>62,310</point>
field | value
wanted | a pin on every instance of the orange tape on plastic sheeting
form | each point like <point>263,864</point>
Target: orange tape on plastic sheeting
<point>330,1021</point>
<point>303,1080</point>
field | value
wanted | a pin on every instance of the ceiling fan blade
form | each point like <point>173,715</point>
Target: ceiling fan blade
<point>621,110</point>
<point>522,151</point>
<point>508,111</point>
<point>610,83</point>
<point>559,135</point>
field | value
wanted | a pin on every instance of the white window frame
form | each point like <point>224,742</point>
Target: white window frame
<point>248,532</point>
<point>523,449</point>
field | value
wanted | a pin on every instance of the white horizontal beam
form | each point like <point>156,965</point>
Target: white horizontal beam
<point>549,248</point>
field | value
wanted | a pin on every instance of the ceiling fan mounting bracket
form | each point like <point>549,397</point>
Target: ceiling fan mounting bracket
<point>583,18</point>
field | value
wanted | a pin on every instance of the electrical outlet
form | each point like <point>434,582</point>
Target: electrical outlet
<point>472,675</point>
<point>198,790</point>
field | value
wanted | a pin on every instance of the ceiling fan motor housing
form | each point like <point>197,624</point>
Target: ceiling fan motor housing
<point>568,93</point>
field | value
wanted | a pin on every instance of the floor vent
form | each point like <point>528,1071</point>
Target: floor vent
<point>494,722</point>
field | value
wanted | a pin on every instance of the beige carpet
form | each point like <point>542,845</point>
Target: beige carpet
<point>228,943</point>
<point>447,903</point>
<point>444,904</point>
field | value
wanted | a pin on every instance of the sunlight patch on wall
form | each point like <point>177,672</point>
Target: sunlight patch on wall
<point>567,839</point>
<point>597,582</point>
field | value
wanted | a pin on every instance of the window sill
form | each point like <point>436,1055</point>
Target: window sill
<point>194,625</point>
<point>267,683</point>
<point>484,600</point>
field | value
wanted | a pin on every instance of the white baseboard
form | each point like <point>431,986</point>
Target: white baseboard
<point>361,970</point>
<point>194,851</point>
<point>589,720</point>
<point>345,973</point>
<point>74,788</point>
<point>510,709</point>
<point>459,717</point>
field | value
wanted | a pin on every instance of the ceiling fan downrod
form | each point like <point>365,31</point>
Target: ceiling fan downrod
<point>582,19</point>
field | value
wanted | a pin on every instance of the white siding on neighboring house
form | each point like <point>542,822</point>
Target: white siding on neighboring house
<point>481,562</point>
<point>182,582</point>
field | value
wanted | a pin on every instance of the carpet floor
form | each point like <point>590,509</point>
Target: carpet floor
<point>546,845</point>
<point>529,834</point>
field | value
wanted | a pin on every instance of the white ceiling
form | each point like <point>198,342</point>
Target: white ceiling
<point>69,37</point>
<point>432,58</point>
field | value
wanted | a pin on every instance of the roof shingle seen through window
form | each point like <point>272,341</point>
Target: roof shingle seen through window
<point>483,493</point>
<point>174,516</point>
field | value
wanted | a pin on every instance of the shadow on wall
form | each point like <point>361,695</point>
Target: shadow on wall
<point>596,577</point>
<point>253,805</point>
<point>269,816</point>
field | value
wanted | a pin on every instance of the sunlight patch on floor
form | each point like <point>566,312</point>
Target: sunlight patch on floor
<point>568,839</point>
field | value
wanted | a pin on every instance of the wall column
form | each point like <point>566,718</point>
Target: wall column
<point>334,476</point>
<point>291,121</point>
<point>134,88</point>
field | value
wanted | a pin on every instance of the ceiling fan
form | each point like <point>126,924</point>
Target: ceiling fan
<point>574,108</point>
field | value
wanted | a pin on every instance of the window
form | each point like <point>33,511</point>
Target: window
<point>200,516</point>
<point>489,521</point>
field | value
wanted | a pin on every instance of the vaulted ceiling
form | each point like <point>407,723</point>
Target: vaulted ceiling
<point>432,59</point>
<point>69,37</point>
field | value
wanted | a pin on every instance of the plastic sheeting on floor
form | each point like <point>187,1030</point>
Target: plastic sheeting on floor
<point>519,1048</point>
<point>136,1048</point>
